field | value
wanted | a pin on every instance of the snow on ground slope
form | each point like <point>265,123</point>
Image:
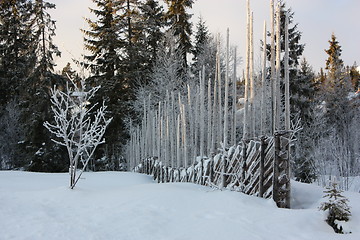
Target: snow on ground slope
<point>114,205</point>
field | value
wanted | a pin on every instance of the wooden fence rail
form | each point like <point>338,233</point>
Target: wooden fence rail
<point>256,167</point>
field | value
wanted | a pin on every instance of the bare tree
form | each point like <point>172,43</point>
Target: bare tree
<point>75,127</point>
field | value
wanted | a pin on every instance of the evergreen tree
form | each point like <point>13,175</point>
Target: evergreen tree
<point>355,76</point>
<point>337,87</point>
<point>26,52</point>
<point>16,54</point>
<point>180,25</point>
<point>102,41</point>
<point>44,31</point>
<point>106,42</point>
<point>204,51</point>
<point>334,64</point>
<point>337,139</point>
<point>303,103</point>
<point>42,153</point>
<point>337,207</point>
<point>153,23</point>
<point>134,57</point>
<point>296,48</point>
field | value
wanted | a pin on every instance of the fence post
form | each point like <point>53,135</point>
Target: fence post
<point>244,157</point>
<point>276,168</point>
<point>261,170</point>
<point>202,172</point>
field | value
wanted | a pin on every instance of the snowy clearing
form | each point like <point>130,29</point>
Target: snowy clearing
<point>118,205</point>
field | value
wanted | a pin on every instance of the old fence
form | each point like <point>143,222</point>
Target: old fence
<point>255,167</point>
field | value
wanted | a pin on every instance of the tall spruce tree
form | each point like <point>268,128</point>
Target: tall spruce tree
<point>134,57</point>
<point>26,66</point>
<point>179,20</point>
<point>44,30</point>
<point>42,153</point>
<point>153,23</point>
<point>16,54</point>
<point>16,64</point>
<point>355,76</point>
<point>296,48</point>
<point>106,42</point>
<point>340,114</point>
<point>337,87</point>
<point>204,51</point>
<point>303,103</point>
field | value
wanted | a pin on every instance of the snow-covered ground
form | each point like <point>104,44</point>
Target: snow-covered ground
<point>117,205</point>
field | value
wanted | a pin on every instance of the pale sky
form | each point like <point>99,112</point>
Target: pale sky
<point>317,20</point>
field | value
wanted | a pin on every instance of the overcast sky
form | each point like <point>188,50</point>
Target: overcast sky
<point>317,20</point>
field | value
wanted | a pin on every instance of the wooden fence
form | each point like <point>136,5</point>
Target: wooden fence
<point>255,167</point>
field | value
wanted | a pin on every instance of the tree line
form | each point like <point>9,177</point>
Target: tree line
<point>141,50</point>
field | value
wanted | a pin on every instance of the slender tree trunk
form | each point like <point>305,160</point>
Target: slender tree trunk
<point>286,66</point>
<point>209,119</point>
<point>225,140</point>
<point>272,62</point>
<point>247,68</point>
<point>252,81</point>
<point>278,69</point>
<point>184,127</point>
<point>178,142</point>
<point>263,87</point>
<point>202,111</point>
<point>220,126</point>
<point>233,136</point>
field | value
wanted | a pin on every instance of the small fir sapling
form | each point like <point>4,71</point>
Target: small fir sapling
<point>336,206</point>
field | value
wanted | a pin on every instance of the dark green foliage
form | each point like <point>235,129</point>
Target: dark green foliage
<point>26,56</point>
<point>337,207</point>
<point>17,55</point>
<point>153,23</point>
<point>204,51</point>
<point>355,77</point>
<point>336,89</point>
<point>296,48</point>
<point>109,41</point>
<point>180,24</point>
<point>43,31</point>
<point>303,90</point>
<point>334,64</point>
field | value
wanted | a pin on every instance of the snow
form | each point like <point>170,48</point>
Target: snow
<point>118,205</point>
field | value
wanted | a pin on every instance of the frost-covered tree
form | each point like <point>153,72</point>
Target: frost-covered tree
<point>11,137</point>
<point>165,76</point>
<point>75,127</point>
<point>336,207</point>
<point>336,147</point>
<point>303,103</point>
<point>204,51</point>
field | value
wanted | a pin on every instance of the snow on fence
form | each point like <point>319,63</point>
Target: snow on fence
<point>248,168</point>
<point>180,138</point>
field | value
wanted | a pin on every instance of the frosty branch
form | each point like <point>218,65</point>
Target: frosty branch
<point>76,125</point>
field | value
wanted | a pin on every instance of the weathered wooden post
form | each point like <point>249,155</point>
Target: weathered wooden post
<point>244,157</point>
<point>202,171</point>
<point>276,167</point>
<point>281,178</point>
<point>261,170</point>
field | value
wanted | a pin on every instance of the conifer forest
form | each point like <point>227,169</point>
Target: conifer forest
<point>162,86</point>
